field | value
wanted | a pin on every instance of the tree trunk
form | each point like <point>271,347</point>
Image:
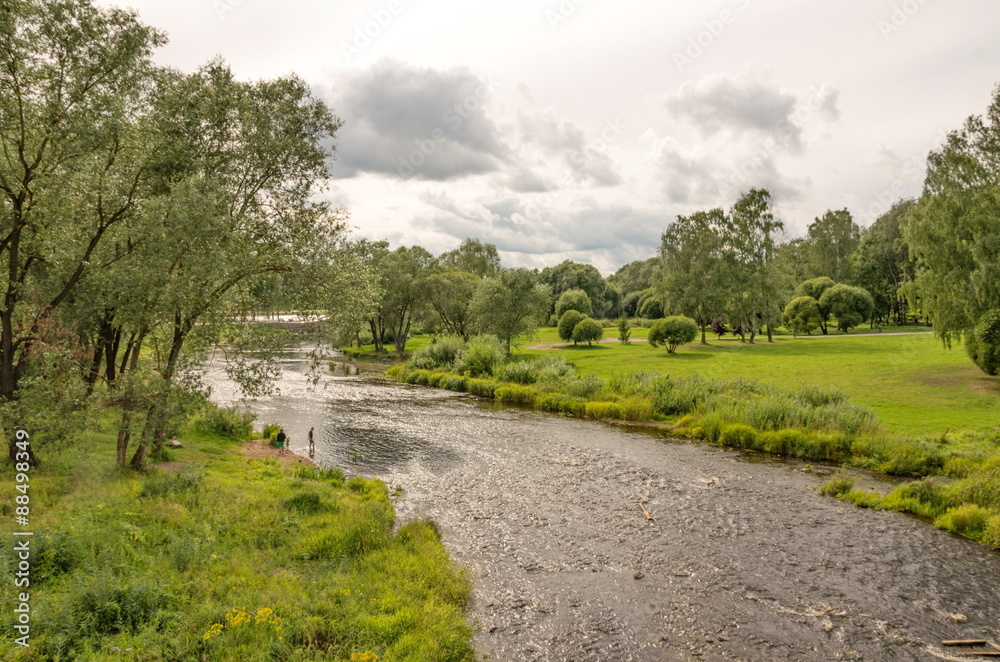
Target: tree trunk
<point>703,341</point>
<point>770,338</point>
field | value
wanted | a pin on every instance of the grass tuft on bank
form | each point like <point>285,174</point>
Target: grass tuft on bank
<point>228,558</point>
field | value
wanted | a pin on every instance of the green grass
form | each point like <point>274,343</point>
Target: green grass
<point>914,384</point>
<point>226,559</point>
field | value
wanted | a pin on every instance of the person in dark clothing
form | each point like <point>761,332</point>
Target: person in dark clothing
<point>280,440</point>
<point>312,443</point>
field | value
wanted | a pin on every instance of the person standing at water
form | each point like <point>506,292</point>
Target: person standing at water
<point>280,440</point>
<point>312,444</point>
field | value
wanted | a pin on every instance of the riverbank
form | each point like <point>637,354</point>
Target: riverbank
<point>232,553</point>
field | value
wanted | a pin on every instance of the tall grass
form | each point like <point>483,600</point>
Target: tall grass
<point>240,560</point>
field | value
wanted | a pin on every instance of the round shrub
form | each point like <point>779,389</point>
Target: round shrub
<point>574,300</point>
<point>851,306</point>
<point>480,356</point>
<point>802,315</point>
<point>983,344</point>
<point>568,322</point>
<point>672,332</point>
<point>588,331</point>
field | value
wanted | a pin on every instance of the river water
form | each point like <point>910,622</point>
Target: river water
<point>742,559</point>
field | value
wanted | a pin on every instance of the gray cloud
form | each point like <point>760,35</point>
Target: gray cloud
<point>696,178</point>
<point>588,160</point>
<point>542,232</point>
<point>407,122</point>
<point>722,103</point>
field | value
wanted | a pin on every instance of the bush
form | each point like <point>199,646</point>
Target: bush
<point>603,410</point>
<point>515,394</point>
<point>983,343</point>
<point>851,306</point>
<point>588,331</point>
<point>231,422</point>
<point>968,520</point>
<point>440,353</point>
<point>519,372</point>
<point>624,331</point>
<point>574,300</point>
<point>553,368</point>
<point>672,332</point>
<point>271,432</point>
<point>837,486</point>
<point>568,322</point>
<point>802,315</point>
<point>453,382</point>
<point>482,354</point>
<point>484,388</point>
<point>636,409</point>
<point>396,371</point>
<point>738,435</point>
<point>651,308</point>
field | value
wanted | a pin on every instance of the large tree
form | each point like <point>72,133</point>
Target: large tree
<point>473,256</point>
<point>830,241</point>
<point>509,304</point>
<point>694,274</point>
<point>75,160</point>
<point>953,231</point>
<point>569,275</point>
<point>882,263</point>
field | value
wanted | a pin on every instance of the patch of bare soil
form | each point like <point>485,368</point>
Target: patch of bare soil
<point>260,449</point>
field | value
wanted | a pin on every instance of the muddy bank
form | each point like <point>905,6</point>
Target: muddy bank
<point>743,560</point>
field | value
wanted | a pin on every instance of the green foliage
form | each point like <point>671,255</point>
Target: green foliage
<point>651,308</point>
<point>484,388</point>
<point>588,331</point>
<point>569,275</point>
<point>816,287</point>
<point>837,486</point>
<point>851,306</point>
<point>441,352</point>
<point>968,519</point>
<point>453,382</point>
<point>270,432</point>
<point>519,372</point>
<point>953,230</point>
<point>552,368</point>
<point>802,315</point>
<point>983,343</point>
<point>738,435</point>
<point>830,243</point>
<point>481,355</point>
<point>672,332</point>
<point>515,394</point>
<point>568,322</point>
<point>624,330</point>
<point>231,422</point>
<point>575,299</point>
<point>510,304</point>
<point>603,410</point>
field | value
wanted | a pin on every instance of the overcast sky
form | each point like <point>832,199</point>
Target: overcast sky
<point>580,128</point>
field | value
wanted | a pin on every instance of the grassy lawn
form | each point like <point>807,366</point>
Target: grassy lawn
<point>222,557</point>
<point>914,384</point>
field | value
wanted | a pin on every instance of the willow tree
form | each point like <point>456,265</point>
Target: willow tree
<point>246,159</point>
<point>74,165</point>
<point>953,231</point>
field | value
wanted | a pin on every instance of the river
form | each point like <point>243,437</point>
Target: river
<point>742,559</point>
